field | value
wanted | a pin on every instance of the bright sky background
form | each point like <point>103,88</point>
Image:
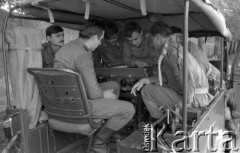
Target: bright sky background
<point>4,7</point>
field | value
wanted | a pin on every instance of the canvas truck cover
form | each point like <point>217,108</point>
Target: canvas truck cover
<point>203,17</point>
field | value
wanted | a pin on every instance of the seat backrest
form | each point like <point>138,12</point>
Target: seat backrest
<point>63,94</point>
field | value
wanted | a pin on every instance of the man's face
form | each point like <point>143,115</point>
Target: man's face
<point>157,41</point>
<point>113,40</point>
<point>179,38</point>
<point>136,39</point>
<point>96,41</point>
<point>56,39</point>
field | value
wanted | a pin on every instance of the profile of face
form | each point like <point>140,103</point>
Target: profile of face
<point>179,38</point>
<point>157,41</point>
<point>96,41</point>
<point>136,38</point>
<point>113,40</point>
<point>56,39</point>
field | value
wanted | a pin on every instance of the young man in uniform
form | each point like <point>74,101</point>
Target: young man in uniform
<point>166,90</point>
<point>110,50</point>
<point>213,74</point>
<point>103,98</point>
<point>137,47</point>
<point>55,38</point>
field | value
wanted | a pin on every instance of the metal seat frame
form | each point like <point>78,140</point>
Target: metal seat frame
<point>64,96</point>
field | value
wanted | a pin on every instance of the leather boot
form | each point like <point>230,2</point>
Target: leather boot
<point>101,139</point>
<point>232,127</point>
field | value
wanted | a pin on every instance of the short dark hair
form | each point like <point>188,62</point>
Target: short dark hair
<point>53,29</point>
<point>91,28</point>
<point>160,28</point>
<point>111,28</point>
<point>130,28</point>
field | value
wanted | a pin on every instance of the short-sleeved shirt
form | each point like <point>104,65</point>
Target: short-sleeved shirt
<point>77,57</point>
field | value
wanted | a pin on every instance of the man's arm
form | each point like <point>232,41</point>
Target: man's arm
<point>176,64</point>
<point>97,58</point>
<point>214,74</point>
<point>153,55</point>
<point>47,60</point>
<point>84,65</point>
<point>153,79</point>
<point>127,56</point>
<point>148,60</point>
<point>106,52</point>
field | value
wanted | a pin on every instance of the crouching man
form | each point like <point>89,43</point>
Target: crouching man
<point>166,91</point>
<point>77,56</point>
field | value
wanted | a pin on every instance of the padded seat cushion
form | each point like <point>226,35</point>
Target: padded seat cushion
<point>70,127</point>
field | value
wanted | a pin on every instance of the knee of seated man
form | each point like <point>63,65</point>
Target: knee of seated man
<point>129,109</point>
<point>146,90</point>
<point>115,85</point>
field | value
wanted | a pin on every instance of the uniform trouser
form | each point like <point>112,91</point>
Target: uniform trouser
<point>117,112</point>
<point>156,97</point>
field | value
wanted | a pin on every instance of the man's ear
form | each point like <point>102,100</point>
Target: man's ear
<point>103,34</point>
<point>48,38</point>
<point>159,37</point>
<point>95,37</point>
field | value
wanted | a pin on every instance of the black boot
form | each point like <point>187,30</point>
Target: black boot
<point>232,127</point>
<point>101,139</point>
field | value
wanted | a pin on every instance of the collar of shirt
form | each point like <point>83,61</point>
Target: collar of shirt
<point>164,48</point>
<point>85,46</point>
<point>48,47</point>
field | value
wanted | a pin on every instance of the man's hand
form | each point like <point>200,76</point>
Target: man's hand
<point>140,64</point>
<point>43,116</point>
<point>139,85</point>
<point>109,94</point>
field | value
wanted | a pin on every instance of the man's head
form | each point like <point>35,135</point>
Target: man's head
<point>111,32</point>
<point>55,35</point>
<point>92,33</point>
<point>133,33</point>
<point>160,32</point>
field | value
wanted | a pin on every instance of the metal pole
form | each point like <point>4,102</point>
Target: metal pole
<point>185,72</point>
<point>222,47</point>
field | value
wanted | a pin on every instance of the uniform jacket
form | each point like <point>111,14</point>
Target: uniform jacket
<point>172,70</point>
<point>110,54</point>
<point>198,53</point>
<point>48,55</point>
<point>145,52</point>
<point>76,56</point>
